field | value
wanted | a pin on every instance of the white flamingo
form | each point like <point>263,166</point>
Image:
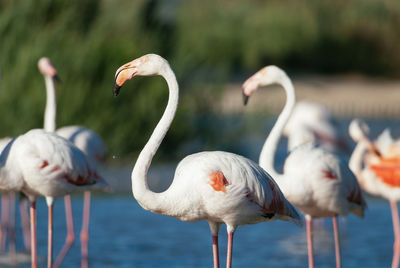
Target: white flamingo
<point>88,142</point>
<point>5,205</point>
<point>41,163</point>
<point>317,124</point>
<point>313,179</point>
<point>8,216</point>
<point>219,187</point>
<point>380,175</point>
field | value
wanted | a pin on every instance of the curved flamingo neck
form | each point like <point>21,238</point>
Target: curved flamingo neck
<point>155,202</point>
<point>51,105</point>
<point>267,155</point>
<point>356,159</point>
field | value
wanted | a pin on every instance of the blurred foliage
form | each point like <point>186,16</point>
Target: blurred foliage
<point>206,42</point>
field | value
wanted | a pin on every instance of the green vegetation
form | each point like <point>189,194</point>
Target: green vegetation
<point>206,42</point>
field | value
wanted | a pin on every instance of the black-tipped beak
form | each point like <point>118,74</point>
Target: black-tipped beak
<point>245,98</point>
<point>377,152</point>
<point>57,78</point>
<point>116,89</point>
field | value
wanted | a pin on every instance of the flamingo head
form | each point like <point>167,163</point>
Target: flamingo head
<point>47,69</point>
<point>147,65</point>
<point>358,131</point>
<point>266,76</point>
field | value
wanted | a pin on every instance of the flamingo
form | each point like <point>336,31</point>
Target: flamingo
<point>218,187</point>
<point>313,179</point>
<point>5,202</point>
<point>41,163</point>
<point>7,208</point>
<point>380,174</point>
<point>317,124</point>
<point>88,142</point>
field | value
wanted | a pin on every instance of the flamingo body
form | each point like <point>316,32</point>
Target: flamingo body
<point>86,140</point>
<point>380,175</point>
<point>41,163</point>
<point>321,186</point>
<point>248,196</point>
<point>44,164</point>
<point>313,122</point>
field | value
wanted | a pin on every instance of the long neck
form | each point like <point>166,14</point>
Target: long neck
<point>356,158</point>
<point>155,202</point>
<point>51,105</point>
<point>266,160</point>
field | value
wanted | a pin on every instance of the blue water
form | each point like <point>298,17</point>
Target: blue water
<point>122,234</point>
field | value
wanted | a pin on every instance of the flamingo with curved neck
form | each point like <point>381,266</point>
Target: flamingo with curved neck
<point>88,142</point>
<point>378,176</point>
<point>313,179</point>
<point>219,187</point>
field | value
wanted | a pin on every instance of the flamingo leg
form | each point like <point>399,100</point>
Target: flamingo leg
<point>70,232</point>
<point>50,237</point>
<point>214,228</point>
<point>310,242</point>
<point>229,253</point>
<point>84,236</point>
<point>12,246</point>
<point>25,224</point>
<point>396,229</point>
<point>33,235</point>
<point>215,251</point>
<point>337,241</point>
<point>4,220</point>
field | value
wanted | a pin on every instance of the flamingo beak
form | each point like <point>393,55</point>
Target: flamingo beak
<point>123,74</point>
<point>371,147</point>
<point>375,150</point>
<point>116,89</point>
<point>245,98</point>
<point>57,78</point>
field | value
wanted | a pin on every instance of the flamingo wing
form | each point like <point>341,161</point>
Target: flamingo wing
<point>233,182</point>
<point>387,170</point>
<point>86,140</point>
<point>49,162</point>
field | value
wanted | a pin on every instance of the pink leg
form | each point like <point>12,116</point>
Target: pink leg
<point>85,229</point>
<point>310,242</point>
<point>5,204</point>
<point>229,253</point>
<point>33,235</point>
<point>25,224</point>
<point>337,241</point>
<point>396,229</point>
<point>1,222</point>
<point>215,251</point>
<point>12,247</point>
<point>50,237</point>
<point>70,232</point>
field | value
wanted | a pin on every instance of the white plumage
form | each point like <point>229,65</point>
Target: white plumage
<point>313,122</point>
<point>43,164</point>
<point>313,179</point>
<point>380,174</point>
<point>218,187</point>
<point>88,142</point>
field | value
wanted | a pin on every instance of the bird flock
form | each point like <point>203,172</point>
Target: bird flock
<point>318,179</point>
